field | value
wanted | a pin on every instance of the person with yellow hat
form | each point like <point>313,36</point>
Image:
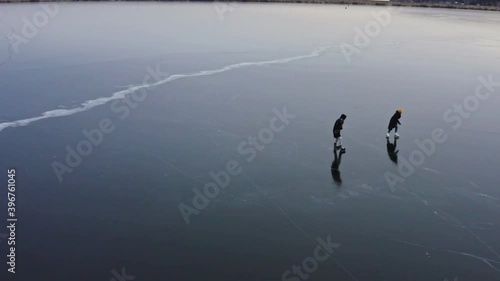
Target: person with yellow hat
<point>394,122</point>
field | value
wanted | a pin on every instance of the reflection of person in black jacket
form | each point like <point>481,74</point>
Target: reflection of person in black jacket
<point>335,168</point>
<point>336,133</point>
<point>392,152</point>
<point>393,124</point>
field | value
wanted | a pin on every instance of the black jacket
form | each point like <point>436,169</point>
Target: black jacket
<point>394,120</point>
<point>337,127</point>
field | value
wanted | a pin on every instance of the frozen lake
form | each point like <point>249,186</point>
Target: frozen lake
<point>118,116</point>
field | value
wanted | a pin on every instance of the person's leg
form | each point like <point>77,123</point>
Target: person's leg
<point>396,129</point>
<point>342,149</point>
<point>335,138</point>
<point>340,141</point>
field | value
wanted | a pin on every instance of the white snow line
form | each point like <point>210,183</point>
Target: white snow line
<point>88,105</point>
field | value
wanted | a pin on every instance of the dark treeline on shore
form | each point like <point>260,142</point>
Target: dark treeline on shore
<point>491,5</point>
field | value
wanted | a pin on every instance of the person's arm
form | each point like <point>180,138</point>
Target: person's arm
<point>399,122</point>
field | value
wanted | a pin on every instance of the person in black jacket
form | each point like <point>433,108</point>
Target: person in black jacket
<point>393,124</point>
<point>336,133</point>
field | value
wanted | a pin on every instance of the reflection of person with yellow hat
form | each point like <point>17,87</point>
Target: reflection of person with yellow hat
<point>393,124</point>
<point>335,168</point>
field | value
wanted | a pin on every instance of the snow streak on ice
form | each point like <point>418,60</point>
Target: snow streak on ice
<point>88,105</point>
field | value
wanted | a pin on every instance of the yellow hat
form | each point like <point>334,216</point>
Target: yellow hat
<point>400,110</point>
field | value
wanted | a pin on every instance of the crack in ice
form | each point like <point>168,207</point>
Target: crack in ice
<point>88,105</point>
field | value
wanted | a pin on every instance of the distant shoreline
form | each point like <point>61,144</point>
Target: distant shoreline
<point>337,2</point>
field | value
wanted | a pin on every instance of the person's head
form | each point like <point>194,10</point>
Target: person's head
<point>343,116</point>
<point>400,110</point>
